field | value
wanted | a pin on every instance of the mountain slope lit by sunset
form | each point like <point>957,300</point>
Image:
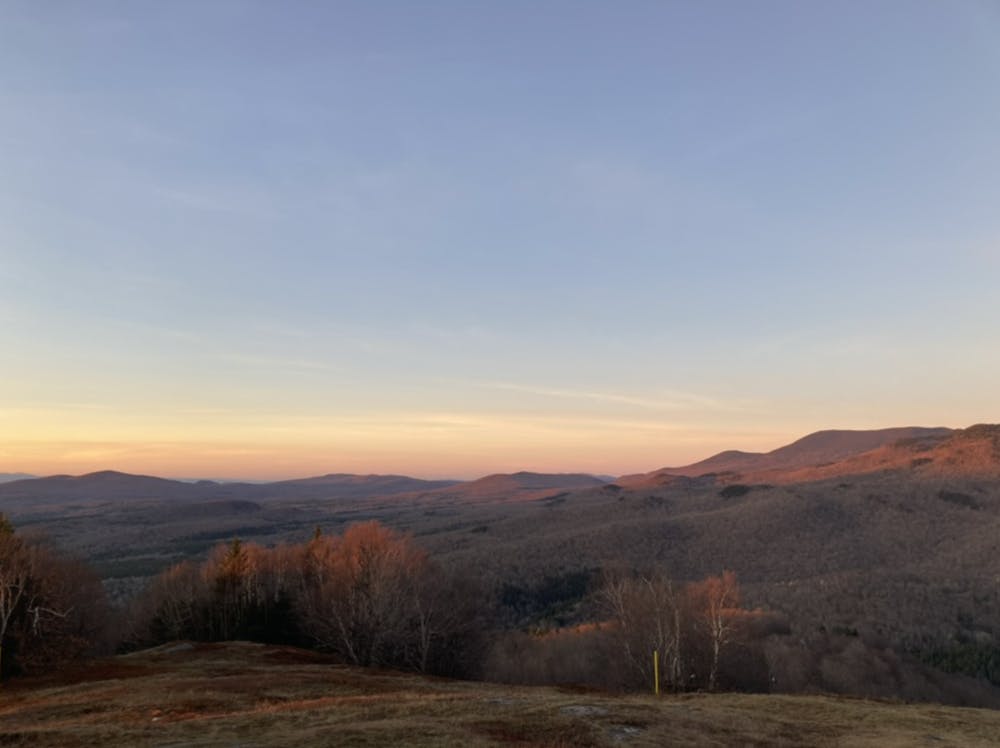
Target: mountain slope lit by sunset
<point>256,240</point>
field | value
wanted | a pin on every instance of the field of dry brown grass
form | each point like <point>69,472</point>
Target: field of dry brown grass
<point>252,695</point>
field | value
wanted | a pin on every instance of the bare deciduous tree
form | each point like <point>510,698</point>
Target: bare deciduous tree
<point>170,608</point>
<point>717,600</point>
<point>51,609</point>
<point>690,626</point>
<point>15,575</point>
<point>362,605</point>
<point>648,614</point>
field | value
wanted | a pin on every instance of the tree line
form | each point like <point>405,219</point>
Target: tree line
<point>702,636</point>
<point>373,598</point>
<point>370,596</point>
<point>51,608</point>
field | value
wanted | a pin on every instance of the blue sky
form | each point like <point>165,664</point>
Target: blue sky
<point>275,239</point>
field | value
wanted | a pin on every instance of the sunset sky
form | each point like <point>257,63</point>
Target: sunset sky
<point>249,239</point>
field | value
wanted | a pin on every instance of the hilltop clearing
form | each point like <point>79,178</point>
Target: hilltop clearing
<point>254,695</point>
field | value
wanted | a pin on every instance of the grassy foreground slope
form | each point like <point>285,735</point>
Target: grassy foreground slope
<point>254,695</point>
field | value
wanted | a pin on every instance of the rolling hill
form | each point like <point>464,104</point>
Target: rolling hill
<point>102,485</point>
<point>829,454</point>
<point>513,487</point>
<point>110,485</point>
<point>249,694</point>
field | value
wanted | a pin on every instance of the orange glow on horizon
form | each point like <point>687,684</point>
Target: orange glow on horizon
<point>249,445</point>
<point>272,445</point>
<point>279,461</point>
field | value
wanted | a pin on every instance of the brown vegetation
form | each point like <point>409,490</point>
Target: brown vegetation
<point>51,609</point>
<point>371,596</point>
<point>245,694</point>
<point>702,638</point>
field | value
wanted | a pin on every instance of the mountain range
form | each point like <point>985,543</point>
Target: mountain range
<point>826,454</point>
<point>818,456</point>
<point>110,485</point>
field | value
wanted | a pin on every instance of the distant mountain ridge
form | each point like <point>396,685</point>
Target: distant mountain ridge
<point>823,454</point>
<point>107,484</point>
<point>966,453</point>
<point>112,485</point>
<point>520,486</point>
<point>349,486</point>
<point>974,451</point>
<point>8,477</point>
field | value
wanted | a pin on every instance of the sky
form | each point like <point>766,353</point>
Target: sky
<point>265,240</point>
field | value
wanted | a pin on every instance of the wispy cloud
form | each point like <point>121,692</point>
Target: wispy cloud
<point>452,334</point>
<point>665,401</point>
<point>284,331</point>
<point>271,362</point>
<point>160,331</point>
<point>29,407</point>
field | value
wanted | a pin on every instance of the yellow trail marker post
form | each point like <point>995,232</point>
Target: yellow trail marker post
<point>656,672</point>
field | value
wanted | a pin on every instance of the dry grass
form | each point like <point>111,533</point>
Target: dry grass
<point>252,695</point>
